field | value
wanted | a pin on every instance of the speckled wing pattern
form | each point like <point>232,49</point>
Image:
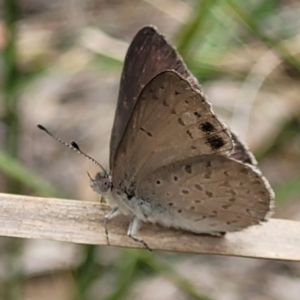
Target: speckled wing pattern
<point>171,121</point>
<point>207,193</point>
<point>174,155</point>
<point>148,54</point>
<point>169,150</point>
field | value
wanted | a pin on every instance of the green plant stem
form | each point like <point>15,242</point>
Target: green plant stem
<point>186,35</point>
<point>11,79</point>
<point>86,273</point>
<point>165,270</point>
<point>249,22</point>
<point>11,167</point>
<point>14,275</point>
<point>127,268</point>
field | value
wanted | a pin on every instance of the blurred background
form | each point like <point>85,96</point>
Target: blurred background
<point>60,66</point>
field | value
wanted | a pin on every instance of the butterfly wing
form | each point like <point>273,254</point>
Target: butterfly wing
<point>170,121</point>
<point>206,194</point>
<point>241,152</point>
<point>149,54</point>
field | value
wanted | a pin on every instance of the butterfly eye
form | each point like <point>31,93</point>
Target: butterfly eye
<point>105,184</point>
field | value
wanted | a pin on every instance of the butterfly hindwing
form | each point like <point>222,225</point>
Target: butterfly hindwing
<point>208,193</point>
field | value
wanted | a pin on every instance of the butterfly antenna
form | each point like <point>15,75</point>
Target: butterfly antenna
<point>72,146</point>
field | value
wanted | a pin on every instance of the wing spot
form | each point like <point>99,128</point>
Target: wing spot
<point>176,92</point>
<point>232,200</point>
<point>171,204</point>
<point>147,132</point>
<point>175,178</point>
<point>226,206</point>
<point>197,115</point>
<point>179,211</point>
<point>158,182</point>
<point>165,103</point>
<point>231,222</point>
<point>232,192</point>
<point>162,87</point>
<point>198,187</point>
<point>215,142</point>
<point>225,184</point>
<point>180,122</point>
<point>207,127</point>
<point>173,111</point>
<point>209,194</point>
<point>187,101</point>
<point>207,175</point>
<point>189,134</point>
<point>197,201</point>
<point>185,192</point>
<point>188,169</point>
<point>192,208</point>
<point>248,211</point>
<point>193,147</point>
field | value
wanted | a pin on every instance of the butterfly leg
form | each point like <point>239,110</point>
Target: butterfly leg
<point>133,228</point>
<point>113,213</point>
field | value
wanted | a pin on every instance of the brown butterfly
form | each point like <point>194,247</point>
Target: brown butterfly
<point>172,161</point>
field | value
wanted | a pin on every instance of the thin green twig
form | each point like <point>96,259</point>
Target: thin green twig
<point>250,23</point>
<point>193,28</point>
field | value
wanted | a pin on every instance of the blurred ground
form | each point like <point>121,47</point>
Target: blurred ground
<point>69,57</point>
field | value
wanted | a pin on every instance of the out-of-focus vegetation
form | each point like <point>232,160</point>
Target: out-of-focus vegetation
<point>60,66</point>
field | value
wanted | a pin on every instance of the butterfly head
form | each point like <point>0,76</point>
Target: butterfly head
<point>102,183</point>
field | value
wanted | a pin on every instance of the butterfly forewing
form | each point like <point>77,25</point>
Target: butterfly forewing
<point>148,55</point>
<point>171,121</point>
<point>208,193</point>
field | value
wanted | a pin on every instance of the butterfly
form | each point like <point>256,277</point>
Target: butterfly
<point>172,161</point>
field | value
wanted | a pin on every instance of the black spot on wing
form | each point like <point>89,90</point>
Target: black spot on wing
<point>207,127</point>
<point>180,122</point>
<point>215,142</point>
<point>188,169</point>
<point>197,115</point>
<point>189,134</point>
<point>147,132</point>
